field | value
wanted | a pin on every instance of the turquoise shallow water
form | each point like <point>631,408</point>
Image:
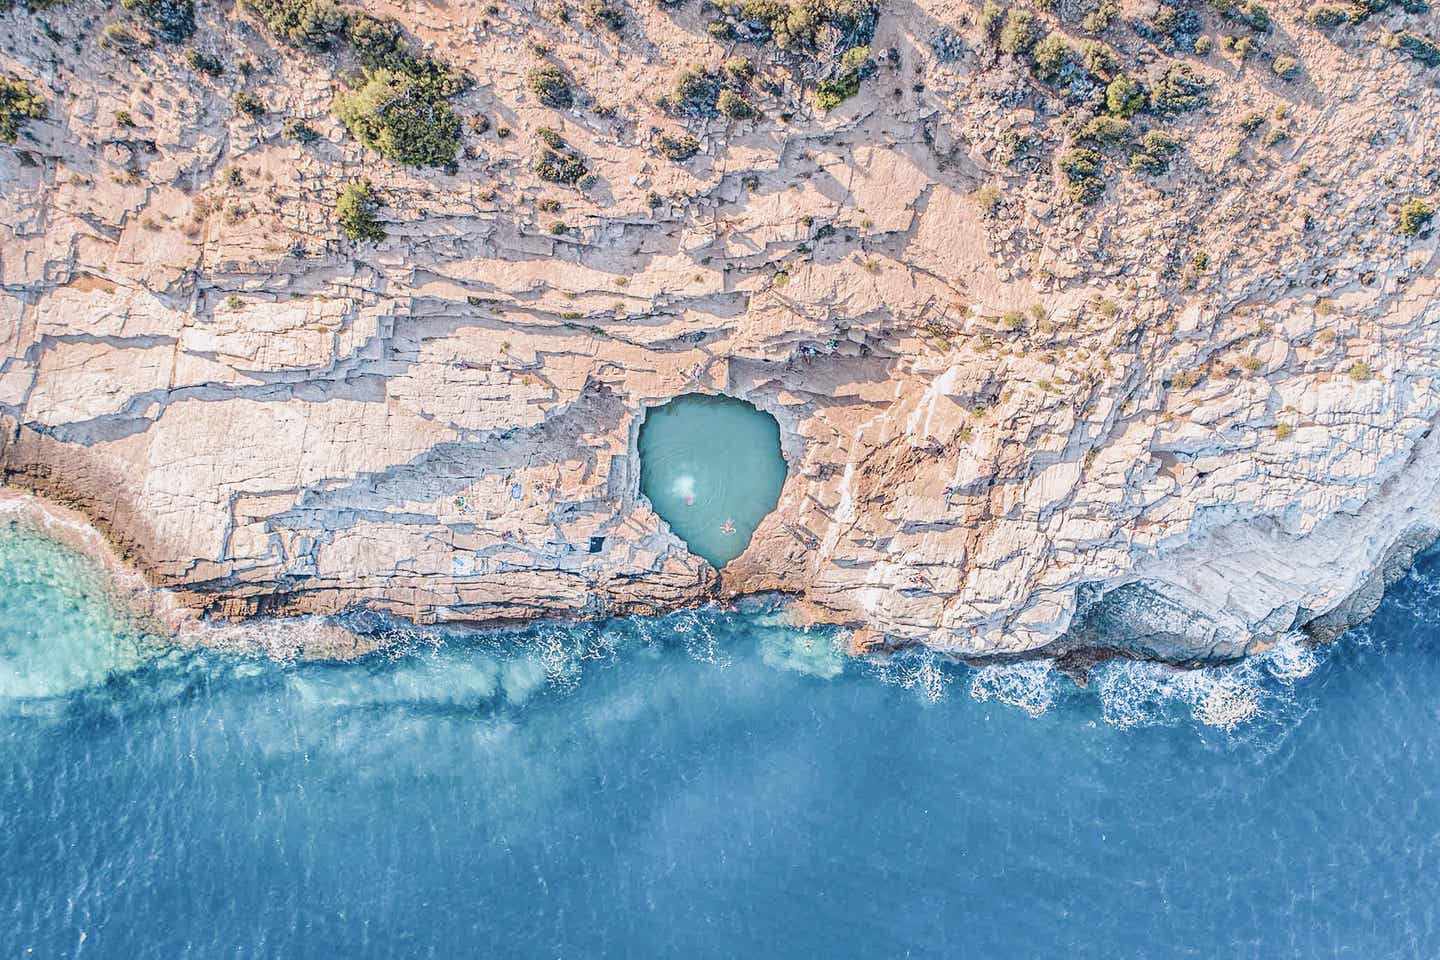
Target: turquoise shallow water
<point>712,469</point>
<point>706,784</point>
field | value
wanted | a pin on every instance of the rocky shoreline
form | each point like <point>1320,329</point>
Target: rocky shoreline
<point>1030,405</point>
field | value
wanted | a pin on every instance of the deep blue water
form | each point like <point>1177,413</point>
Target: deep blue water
<point>706,785</point>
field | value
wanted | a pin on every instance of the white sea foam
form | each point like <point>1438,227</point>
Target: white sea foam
<point>921,670</point>
<point>1137,693</point>
<point>1030,685</point>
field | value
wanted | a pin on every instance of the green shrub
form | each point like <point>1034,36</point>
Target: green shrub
<point>205,63</point>
<point>300,131</point>
<point>1106,129</point>
<point>739,69</point>
<point>1326,15</point>
<point>355,212</point>
<point>170,20</point>
<point>1124,97</point>
<point>677,147</point>
<point>992,16</point>
<point>1099,19</point>
<point>1421,48</point>
<point>1053,57</point>
<point>18,104</point>
<point>1414,215</point>
<point>735,106</point>
<point>247,103</point>
<point>1098,59</point>
<point>306,23</point>
<point>1285,67</point>
<point>1083,172</point>
<point>1154,153</point>
<point>123,120</point>
<point>1018,34</point>
<point>404,119</point>
<point>835,90</point>
<point>830,93</point>
<point>1178,90</point>
<point>560,164</point>
<point>550,86</point>
<point>694,94</point>
<point>551,138</point>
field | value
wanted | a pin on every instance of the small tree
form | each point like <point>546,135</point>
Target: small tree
<point>355,212</point>
<point>403,119</point>
<point>1018,34</point>
<point>18,104</point>
<point>736,107</point>
<point>1123,97</point>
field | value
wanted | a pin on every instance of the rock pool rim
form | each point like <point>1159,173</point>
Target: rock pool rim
<point>694,543</point>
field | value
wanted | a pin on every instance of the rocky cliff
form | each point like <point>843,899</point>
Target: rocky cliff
<point>1085,323</point>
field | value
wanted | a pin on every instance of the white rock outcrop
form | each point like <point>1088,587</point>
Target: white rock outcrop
<point>1184,420</point>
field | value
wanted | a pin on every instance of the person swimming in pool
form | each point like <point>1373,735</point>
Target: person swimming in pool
<point>728,526</point>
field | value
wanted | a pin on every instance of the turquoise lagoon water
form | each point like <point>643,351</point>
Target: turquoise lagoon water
<point>707,784</point>
<point>712,469</point>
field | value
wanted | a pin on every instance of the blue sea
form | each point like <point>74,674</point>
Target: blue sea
<point>707,784</point>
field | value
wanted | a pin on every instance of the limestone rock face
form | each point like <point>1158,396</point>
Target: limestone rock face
<point>1181,420</point>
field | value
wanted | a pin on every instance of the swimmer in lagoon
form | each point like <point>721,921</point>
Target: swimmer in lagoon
<point>728,527</point>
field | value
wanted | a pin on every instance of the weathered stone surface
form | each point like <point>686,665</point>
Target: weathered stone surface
<point>1169,446</point>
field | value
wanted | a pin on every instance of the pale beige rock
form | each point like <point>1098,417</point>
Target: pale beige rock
<point>1011,434</point>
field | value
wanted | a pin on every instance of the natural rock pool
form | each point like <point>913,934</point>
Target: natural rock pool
<point>712,469</point>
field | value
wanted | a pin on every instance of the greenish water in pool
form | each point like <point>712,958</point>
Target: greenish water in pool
<point>712,469</point>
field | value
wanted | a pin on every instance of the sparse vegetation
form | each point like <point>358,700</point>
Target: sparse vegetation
<point>300,131</point>
<point>678,147</point>
<point>1178,90</point>
<point>402,118</point>
<point>18,105</point>
<point>355,212</point>
<point>316,24</point>
<point>735,106</point>
<point>1360,371</point>
<point>247,103</point>
<point>1154,153</point>
<point>558,162</point>
<point>1418,46</point>
<point>550,86</point>
<point>1123,96</point>
<point>1325,15</point>
<point>171,20</point>
<point>205,63</point>
<point>1083,173</point>
<point>1415,215</point>
<point>1285,67</point>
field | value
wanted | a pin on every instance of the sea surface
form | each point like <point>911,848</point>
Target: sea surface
<point>707,784</point>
